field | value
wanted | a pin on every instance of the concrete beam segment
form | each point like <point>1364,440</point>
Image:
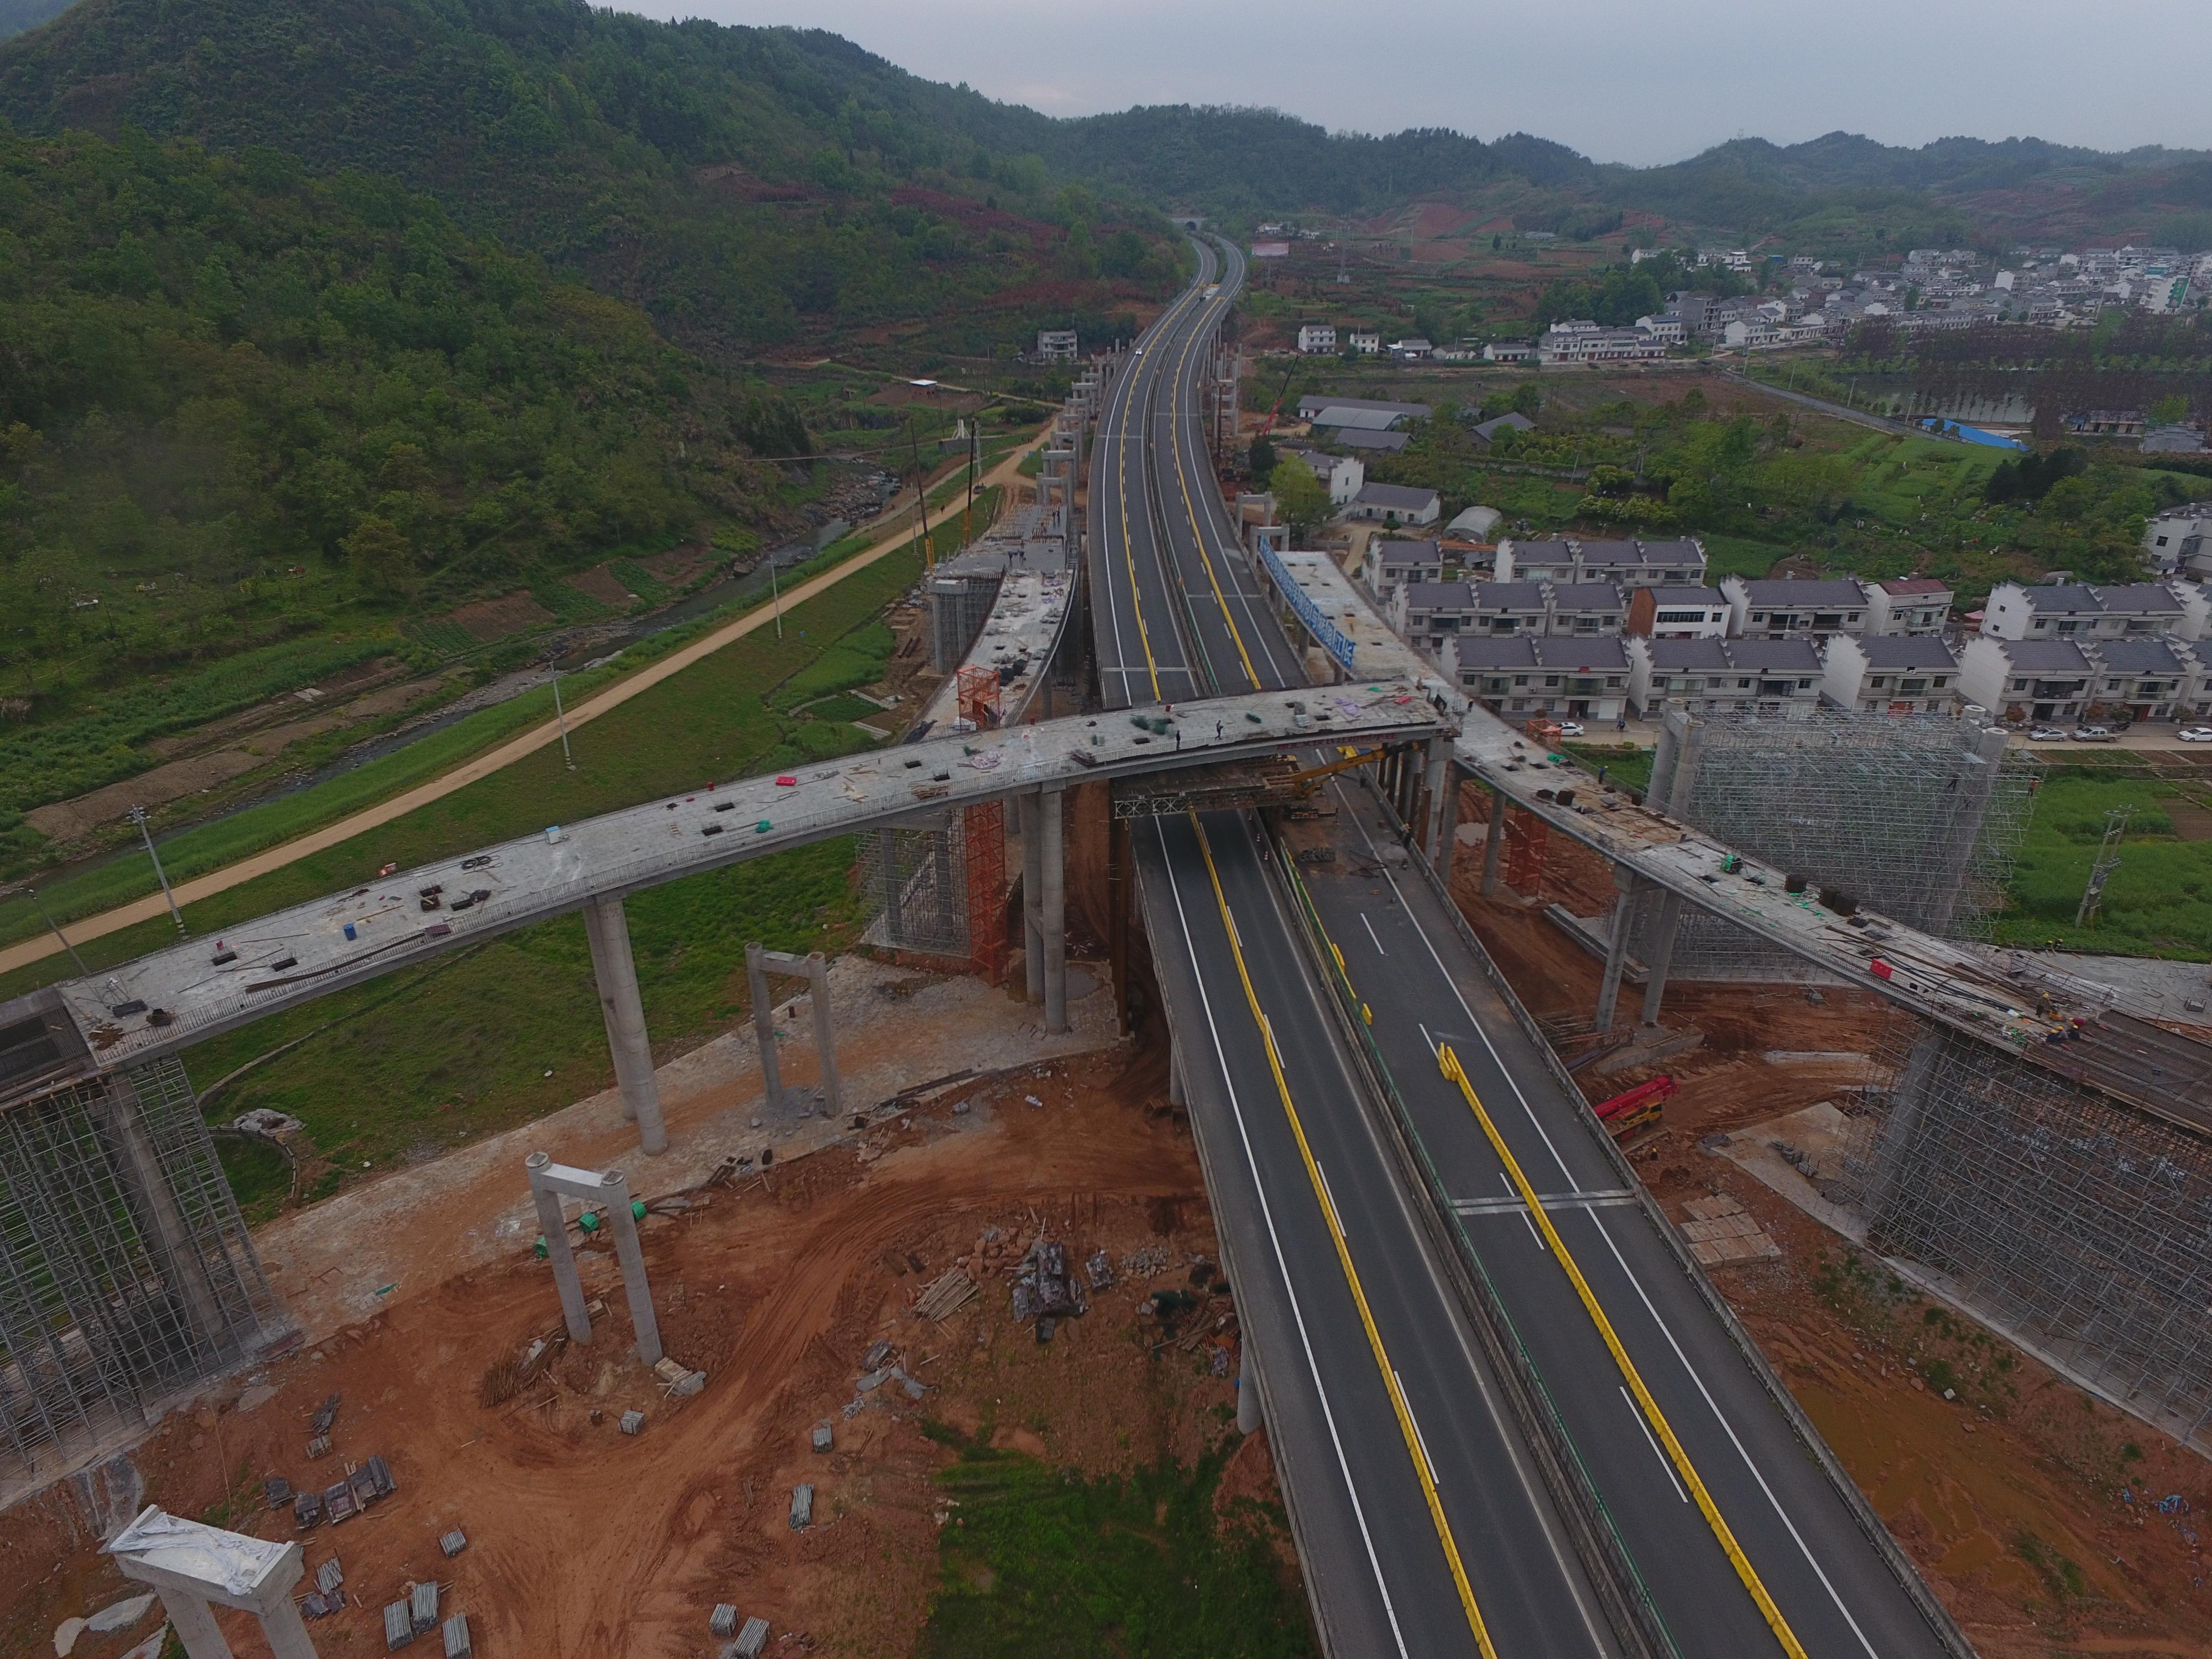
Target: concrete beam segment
<point>195,1625</point>
<point>554,1225</point>
<point>607,929</point>
<point>1033,898</point>
<point>348,938</point>
<point>1616,952</point>
<point>825,1034</point>
<point>631,1256</point>
<point>1661,955</point>
<point>1493,842</point>
<point>1054,921</point>
<point>764,1019</point>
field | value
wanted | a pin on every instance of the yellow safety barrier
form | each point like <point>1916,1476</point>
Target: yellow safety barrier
<point>1449,1064</point>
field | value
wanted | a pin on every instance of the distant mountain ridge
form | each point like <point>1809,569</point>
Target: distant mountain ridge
<point>464,97</point>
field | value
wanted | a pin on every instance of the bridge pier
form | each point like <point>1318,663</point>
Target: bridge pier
<point>1432,788</point>
<point>1630,891</point>
<point>1493,842</point>
<point>1440,855</point>
<point>1032,895</point>
<point>1660,954</point>
<point>607,929</point>
<point>1053,922</point>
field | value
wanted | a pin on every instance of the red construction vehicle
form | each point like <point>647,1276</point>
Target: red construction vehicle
<point>1635,1108</point>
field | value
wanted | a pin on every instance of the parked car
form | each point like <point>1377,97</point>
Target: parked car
<point>1570,729</point>
<point>2046,734</point>
<point>2093,734</point>
<point>2196,734</point>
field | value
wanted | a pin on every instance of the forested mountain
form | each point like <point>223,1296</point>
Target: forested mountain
<point>745,185</point>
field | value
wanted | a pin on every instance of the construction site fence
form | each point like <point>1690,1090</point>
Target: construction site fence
<point>1861,1512</point>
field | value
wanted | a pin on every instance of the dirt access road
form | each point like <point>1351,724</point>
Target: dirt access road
<point>1007,472</point>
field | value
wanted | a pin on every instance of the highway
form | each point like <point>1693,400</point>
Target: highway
<point>1424,1521</point>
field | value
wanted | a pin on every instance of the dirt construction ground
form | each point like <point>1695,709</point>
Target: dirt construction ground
<point>2048,1523</point>
<point>585,1541</point>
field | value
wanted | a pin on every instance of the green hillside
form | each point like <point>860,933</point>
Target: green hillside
<point>16,15</point>
<point>747,186</point>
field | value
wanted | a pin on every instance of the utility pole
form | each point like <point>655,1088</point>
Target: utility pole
<point>138,817</point>
<point>2108,860</point>
<point>561,715</point>
<point>32,894</point>
<point>775,595</point>
<point>921,494</point>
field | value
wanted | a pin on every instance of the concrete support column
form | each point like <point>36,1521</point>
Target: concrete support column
<point>1052,853</point>
<point>1432,791</point>
<point>555,1227</point>
<point>825,1034</point>
<point>764,1024</point>
<point>286,1632</point>
<point>1616,954</point>
<point>1660,956</point>
<point>1682,782</point>
<point>195,1625</point>
<point>631,1255</point>
<point>1493,842</point>
<point>1448,823</point>
<point>1249,1416</point>
<point>608,930</point>
<point>1033,897</point>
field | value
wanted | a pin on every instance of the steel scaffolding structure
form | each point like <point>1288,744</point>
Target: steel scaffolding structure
<point>126,1275</point>
<point>914,880</point>
<point>2078,1225</point>
<point>1919,818</point>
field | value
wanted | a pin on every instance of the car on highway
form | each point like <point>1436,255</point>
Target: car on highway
<point>2093,734</point>
<point>2046,734</point>
<point>2195,734</point>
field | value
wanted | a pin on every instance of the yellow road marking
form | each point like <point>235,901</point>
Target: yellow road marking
<point>1398,1407</point>
<point>1128,547</point>
<point>1198,535</point>
<point>1449,1064</point>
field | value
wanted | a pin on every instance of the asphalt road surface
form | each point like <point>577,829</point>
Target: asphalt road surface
<point>1422,1520</point>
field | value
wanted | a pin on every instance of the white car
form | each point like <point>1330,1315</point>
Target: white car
<point>2196,734</point>
<point>1570,729</point>
<point>2046,734</point>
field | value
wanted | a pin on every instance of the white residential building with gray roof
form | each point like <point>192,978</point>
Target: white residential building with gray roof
<point>1774,679</point>
<point>1768,609</point>
<point>1518,676</point>
<point>1890,674</point>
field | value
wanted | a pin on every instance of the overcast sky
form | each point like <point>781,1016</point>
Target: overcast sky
<point>1618,81</point>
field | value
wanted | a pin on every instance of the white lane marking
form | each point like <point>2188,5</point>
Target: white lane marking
<point>1369,926</point>
<point>1527,1221</point>
<point>1728,1429</point>
<point>1282,1266</point>
<point>1329,1193</point>
<point>1425,1038</point>
<point>1650,1441</point>
<point>1596,1221</point>
<point>1419,1439</point>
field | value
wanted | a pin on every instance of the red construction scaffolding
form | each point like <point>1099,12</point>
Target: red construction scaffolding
<point>1525,837</point>
<point>979,697</point>
<point>983,833</point>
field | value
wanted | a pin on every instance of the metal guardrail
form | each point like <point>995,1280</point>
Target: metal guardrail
<point>1871,1525</point>
<point>1629,1605</point>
